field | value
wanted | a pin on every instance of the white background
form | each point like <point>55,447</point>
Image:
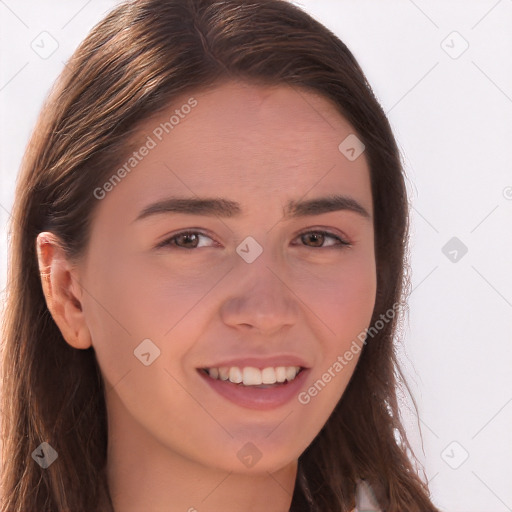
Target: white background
<point>451,112</point>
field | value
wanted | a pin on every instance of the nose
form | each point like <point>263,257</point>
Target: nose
<point>260,298</point>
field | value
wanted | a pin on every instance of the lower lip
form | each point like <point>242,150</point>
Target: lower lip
<point>252,397</point>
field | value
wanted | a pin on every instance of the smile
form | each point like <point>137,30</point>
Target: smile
<point>250,376</point>
<point>250,387</point>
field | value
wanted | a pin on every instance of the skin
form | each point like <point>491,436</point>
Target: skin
<point>173,441</point>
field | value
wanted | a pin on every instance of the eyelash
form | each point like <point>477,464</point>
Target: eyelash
<point>168,242</point>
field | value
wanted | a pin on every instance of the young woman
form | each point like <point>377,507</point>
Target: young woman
<point>207,267</point>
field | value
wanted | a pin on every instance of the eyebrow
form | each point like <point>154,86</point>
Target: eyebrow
<point>226,208</point>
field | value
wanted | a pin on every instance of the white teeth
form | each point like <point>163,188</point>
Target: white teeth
<point>280,374</point>
<point>235,375</point>
<point>291,372</point>
<point>250,376</point>
<point>268,376</point>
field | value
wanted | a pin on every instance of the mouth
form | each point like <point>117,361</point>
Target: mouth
<point>254,388</point>
<point>250,376</point>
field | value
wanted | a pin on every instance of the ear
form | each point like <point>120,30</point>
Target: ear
<point>62,290</point>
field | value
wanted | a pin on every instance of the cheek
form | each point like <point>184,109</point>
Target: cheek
<point>351,303</point>
<point>342,295</point>
<point>346,308</point>
<point>118,311</point>
<point>137,299</point>
<point>342,301</point>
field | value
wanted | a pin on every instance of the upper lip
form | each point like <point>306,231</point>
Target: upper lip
<point>260,362</point>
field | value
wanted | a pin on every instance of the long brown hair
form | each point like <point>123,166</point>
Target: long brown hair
<point>135,62</point>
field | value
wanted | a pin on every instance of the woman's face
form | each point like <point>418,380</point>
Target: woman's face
<point>254,286</point>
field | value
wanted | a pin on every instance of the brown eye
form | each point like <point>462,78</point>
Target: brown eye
<point>184,240</point>
<point>317,239</point>
<point>189,240</point>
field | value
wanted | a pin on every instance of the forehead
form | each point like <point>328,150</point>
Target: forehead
<point>247,142</point>
<point>280,117</point>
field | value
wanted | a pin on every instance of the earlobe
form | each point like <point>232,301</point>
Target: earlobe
<point>62,291</point>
